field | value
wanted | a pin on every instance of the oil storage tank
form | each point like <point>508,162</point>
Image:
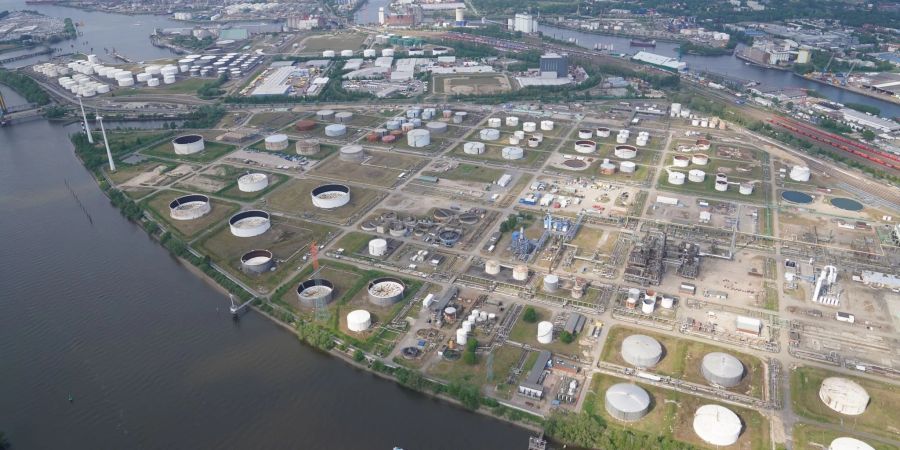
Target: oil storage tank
<point>188,144</point>
<point>717,425</point>
<point>489,134</point>
<point>378,247</point>
<point>189,207</point>
<point>849,443</point>
<point>722,369</point>
<point>844,396</point>
<point>385,291</point>
<point>253,182</point>
<point>545,332</point>
<point>418,138</point>
<point>641,351</point>
<point>359,320</point>
<point>627,402</point>
<point>257,261</point>
<point>473,148</point>
<point>315,292</point>
<point>335,130</point>
<point>352,153</point>
<point>512,153</point>
<point>277,142</point>
<point>330,196</point>
<point>307,147</point>
<point>250,223</point>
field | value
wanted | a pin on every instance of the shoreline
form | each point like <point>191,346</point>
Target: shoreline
<point>853,89</point>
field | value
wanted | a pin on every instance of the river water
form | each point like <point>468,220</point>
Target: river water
<point>94,309</point>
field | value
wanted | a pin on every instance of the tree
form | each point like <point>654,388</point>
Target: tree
<point>470,357</point>
<point>530,315</point>
<point>358,355</point>
<point>566,337</point>
<point>868,135</point>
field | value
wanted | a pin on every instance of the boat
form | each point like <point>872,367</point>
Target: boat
<point>643,43</point>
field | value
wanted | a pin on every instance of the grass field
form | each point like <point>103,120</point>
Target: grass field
<point>294,197</point>
<point>682,358</point>
<point>503,359</point>
<point>380,168</point>
<point>467,84</point>
<point>125,172</point>
<point>274,120</point>
<point>182,86</point>
<point>469,172</point>
<point>812,437</point>
<point>228,175</point>
<point>493,153</point>
<point>159,205</point>
<point>672,414</point>
<point>526,333</point>
<point>884,403</point>
<point>212,151</point>
<point>333,41</point>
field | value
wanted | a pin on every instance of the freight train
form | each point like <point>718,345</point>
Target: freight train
<point>872,154</point>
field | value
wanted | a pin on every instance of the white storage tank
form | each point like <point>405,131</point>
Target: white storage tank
<point>533,142</point>
<point>585,134</point>
<point>359,320</point>
<point>153,82</point>
<point>168,79</point>
<point>722,369</point>
<point>545,332</point>
<point>325,114</point>
<point>343,117</point>
<point>418,138</point>
<point>551,282</point>
<point>387,52</point>
<point>844,396</point>
<point>125,82</point>
<point>547,125</point>
<point>352,153</point>
<point>745,188</point>
<point>335,130</point>
<point>489,134</point>
<point>512,153</point>
<point>641,351</point>
<point>494,122</point>
<point>627,402</point>
<point>514,140</point>
<point>253,182</point>
<point>188,144</point>
<point>370,53</point>
<point>849,443</point>
<point>602,132</point>
<point>492,267</point>
<point>473,148</point>
<point>378,247</point>
<point>520,272</point>
<point>700,159</point>
<point>461,337</point>
<point>328,54</point>
<point>512,121</point>
<point>436,127</point>
<point>667,302</point>
<point>681,161</point>
<point>277,142</point>
<point>696,176</point>
<point>627,167</point>
<point>717,425</point>
<point>142,77</point>
<point>648,304</point>
<point>529,127</point>
<point>800,173</point>
<point>625,152</point>
<point>721,186</point>
<point>346,53</point>
<point>250,223</point>
<point>676,177</point>
<point>585,146</point>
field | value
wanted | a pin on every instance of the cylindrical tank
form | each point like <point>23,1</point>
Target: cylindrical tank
<point>648,304</point>
<point>315,292</point>
<point>307,146</point>
<point>489,134</point>
<point>547,125</point>
<point>745,188</point>
<point>494,122</point>
<point>418,138</point>
<point>844,396</point>
<point>602,132</point>
<point>849,443</point>
<point>378,247</point>
<point>153,82</point>
<point>125,82</point>
<point>436,127</point>
<point>473,148</point>
<point>717,425</point>
<point>168,79</point>
<point>585,146</point>
<point>359,320</point>
<point>800,173</point>
<point>642,140</point>
<point>722,369</point>
<point>250,223</point>
<point>721,186</point>
<point>253,182</point>
<point>257,262</point>
<point>370,53</point>
<point>627,402</point>
<point>386,291</point>
<point>545,332</point>
<point>703,144</point>
<point>277,142</point>
<point>325,114</point>
<point>533,142</point>
<point>460,116</point>
<point>142,77</point>
<point>343,117</point>
<point>551,282</point>
<point>607,168</point>
<point>512,153</point>
<point>585,134</point>
<point>330,196</point>
<point>346,53</point>
<point>667,302</point>
<point>625,152</point>
<point>627,167</point>
<point>700,159</point>
<point>189,207</point>
<point>335,130</point>
<point>681,161</point>
<point>492,267</point>
<point>519,134</point>
<point>676,177</point>
<point>641,351</point>
<point>520,272</point>
<point>467,326</point>
<point>529,127</point>
<point>328,54</point>
<point>512,121</point>
<point>461,336</point>
<point>387,52</point>
<point>188,144</point>
<point>514,140</point>
<point>696,176</point>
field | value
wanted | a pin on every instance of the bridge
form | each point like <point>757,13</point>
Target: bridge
<point>18,113</point>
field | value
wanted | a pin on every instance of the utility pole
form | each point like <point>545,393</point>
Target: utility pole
<point>112,164</point>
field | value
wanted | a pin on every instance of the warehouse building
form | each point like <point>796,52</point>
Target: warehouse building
<point>533,386</point>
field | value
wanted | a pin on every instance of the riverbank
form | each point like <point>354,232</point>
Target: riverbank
<point>853,89</point>
<point>671,40</point>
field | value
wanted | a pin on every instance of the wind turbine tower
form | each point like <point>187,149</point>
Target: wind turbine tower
<point>87,128</point>
<point>112,164</point>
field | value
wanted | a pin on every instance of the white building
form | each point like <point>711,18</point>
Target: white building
<point>660,60</point>
<point>525,23</point>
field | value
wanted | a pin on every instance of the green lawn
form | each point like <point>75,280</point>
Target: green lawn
<point>181,86</point>
<point>526,333</point>
<point>212,151</point>
<point>469,172</point>
<point>158,204</point>
<point>811,437</point>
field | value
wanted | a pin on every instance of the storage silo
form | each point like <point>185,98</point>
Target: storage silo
<point>307,147</point>
<point>641,351</point>
<point>335,130</point>
<point>378,247</point>
<point>722,369</point>
<point>418,138</point>
<point>717,425</point>
<point>473,148</point>
<point>512,153</point>
<point>359,320</point>
<point>627,402</point>
<point>545,332</point>
<point>551,282</point>
<point>844,396</point>
<point>520,272</point>
<point>492,267</point>
<point>489,134</point>
<point>277,142</point>
<point>849,443</point>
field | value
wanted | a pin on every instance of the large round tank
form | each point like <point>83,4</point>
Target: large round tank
<point>315,292</point>
<point>253,182</point>
<point>717,425</point>
<point>307,147</point>
<point>681,161</point>
<point>277,142</point>
<point>585,134</point>
<point>352,153</point>
<point>602,132</point>
<point>512,153</point>
<point>473,148</point>
<point>551,282</point>
<point>547,125</point>
<point>849,443</point>
<point>648,304</point>
<point>545,332</point>
<point>436,127</point>
<point>328,54</point>
<point>343,117</point>
<point>512,121</point>
<point>153,82</point>
<point>625,152</point>
<point>330,196</point>
<point>378,247</point>
<point>250,223</point>
<point>721,186</point>
<point>489,134</point>
<point>494,122</point>
<point>370,53</point>
<point>387,52</point>
<point>676,177</point>
<point>696,176</point>
<point>492,267</point>
<point>641,351</point>
<point>385,291</point>
<point>257,261</point>
<point>418,138</point>
<point>520,272</point>
<point>359,320</point>
<point>607,168</point>
<point>585,146</point>
<point>189,207</point>
<point>703,144</point>
<point>305,125</point>
<point>627,402</point>
<point>800,173</point>
<point>533,142</point>
<point>844,396</point>
<point>188,144</point>
<point>722,369</point>
<point>529,127</point>
<point>745,188</point>
<point>700,159</point>
<point>335,130</point>
<point>461,336</point>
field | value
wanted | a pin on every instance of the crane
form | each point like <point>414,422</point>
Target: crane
<point>847,75</point>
